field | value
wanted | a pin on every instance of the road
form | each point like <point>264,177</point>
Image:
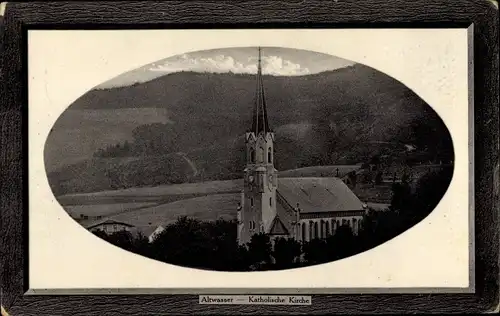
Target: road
<point>189,161</point>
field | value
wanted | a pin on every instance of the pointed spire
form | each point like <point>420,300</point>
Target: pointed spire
<point>260,123</point>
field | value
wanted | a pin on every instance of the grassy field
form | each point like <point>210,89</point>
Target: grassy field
<point>103,209</point>
<point>204,208</point>
<point>378,206</point>
<point>70,143</point>
<point>183,188</point>
<point>376,194</point>
<point>146,207</point>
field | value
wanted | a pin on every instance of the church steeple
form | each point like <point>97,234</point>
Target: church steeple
<point>259,121</point>
<point>258,203</point>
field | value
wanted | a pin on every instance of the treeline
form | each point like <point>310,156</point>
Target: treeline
<point>213,245</point>
<point>115,173</point>
<point>147,140</point>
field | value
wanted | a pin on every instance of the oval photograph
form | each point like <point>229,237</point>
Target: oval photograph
<point>249,159</point>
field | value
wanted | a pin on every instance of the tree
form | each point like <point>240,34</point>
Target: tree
<point>315,251</point>
<point>375,160</point>
<point>183,243</point>
<point>156,138</point>
<point>242,259</point>
<point>406,209</point>
<point>401,196</point>
<point>259,249</point>
<point>429,190</point>
<point>125,240</point>
<point>142,245</point>
<point>222,238</point>
<point>341,244</point>
<point>285,252</point>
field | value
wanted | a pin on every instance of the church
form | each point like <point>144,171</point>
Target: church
<point>299,208</point>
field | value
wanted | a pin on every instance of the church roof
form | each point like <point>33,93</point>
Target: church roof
<point>107,222</point>
<point>278,228</point>
<point>318,194</point>
<point>285,213</point>
<point>259,120</point>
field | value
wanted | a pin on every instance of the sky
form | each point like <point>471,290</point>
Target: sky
<point>275,61</point>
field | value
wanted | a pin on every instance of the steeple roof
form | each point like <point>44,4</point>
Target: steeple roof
<point>259,121</point>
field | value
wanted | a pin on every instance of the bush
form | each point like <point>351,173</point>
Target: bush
<point>259,249</point>
<point>286,252</point>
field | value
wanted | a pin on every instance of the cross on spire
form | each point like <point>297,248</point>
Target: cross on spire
<point>260,123</point>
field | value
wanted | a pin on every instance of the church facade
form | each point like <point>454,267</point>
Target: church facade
<point>299,208</point>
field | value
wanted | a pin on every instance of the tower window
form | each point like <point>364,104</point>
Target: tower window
<point>269,155</point>
<point>251,201</point>
<point>270,201</point>
<point>252,155</point>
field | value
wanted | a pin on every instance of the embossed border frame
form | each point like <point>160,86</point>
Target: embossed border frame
<point>21,16</point>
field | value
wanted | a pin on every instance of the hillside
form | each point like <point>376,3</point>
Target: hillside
<point>338,117</point>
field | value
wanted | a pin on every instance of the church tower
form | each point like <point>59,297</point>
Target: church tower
<point>258,203</point>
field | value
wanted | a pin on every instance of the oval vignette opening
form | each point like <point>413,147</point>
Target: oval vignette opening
<point>249,159</point>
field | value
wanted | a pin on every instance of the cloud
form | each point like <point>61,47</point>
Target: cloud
<point>273,65</point>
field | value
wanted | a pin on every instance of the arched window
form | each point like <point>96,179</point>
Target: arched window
<point>269,155</point>
<point>327,228</point>
<point>270,201</point>
<point>252,155</point>
<point>251,201</point>
<point>315,229</point>
<point>303,232</point>
<point>261,156</point>
<point>311,228</point>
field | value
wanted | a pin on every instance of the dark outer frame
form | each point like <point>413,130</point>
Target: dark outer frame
<point>19,16</point>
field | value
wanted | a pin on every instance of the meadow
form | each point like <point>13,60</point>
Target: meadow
<point>155,193</point>
<point>148,207</point>
<point>204,208</point>
<point>93,210</point>
<point>71,142</point>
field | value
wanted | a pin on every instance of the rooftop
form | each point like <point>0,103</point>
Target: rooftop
<point>318,194</point>
<point>106,222</point>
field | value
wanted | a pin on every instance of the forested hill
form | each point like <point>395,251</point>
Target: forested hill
<point>340,116</point>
